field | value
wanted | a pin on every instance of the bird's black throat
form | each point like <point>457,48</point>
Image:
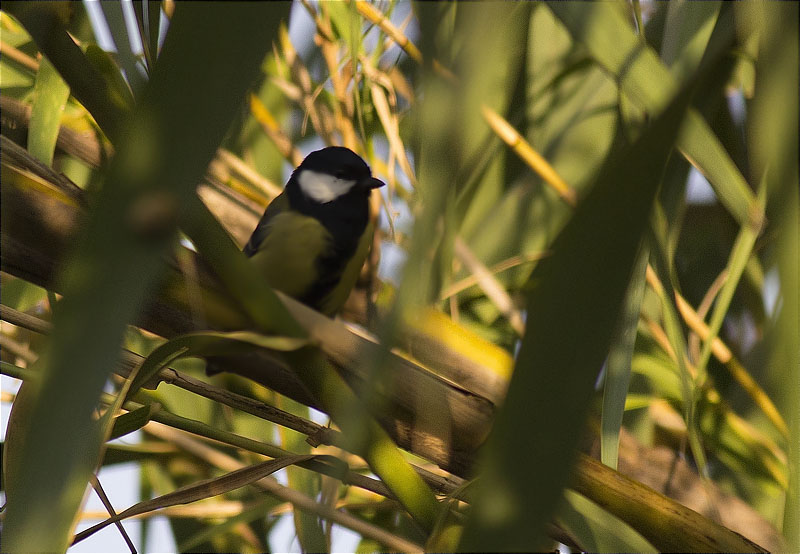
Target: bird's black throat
<point>345,218</point>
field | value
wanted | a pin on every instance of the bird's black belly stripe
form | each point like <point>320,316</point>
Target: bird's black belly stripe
<point>345,219</point>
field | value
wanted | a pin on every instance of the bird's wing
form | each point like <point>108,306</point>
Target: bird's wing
<point>288,250</point>
<point>278,205</point>
<point>334,300</point>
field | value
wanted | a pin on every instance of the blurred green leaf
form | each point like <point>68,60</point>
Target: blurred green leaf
<point>119,94</point>
<point>677,344</point>
<point>740,254</point>
<point>346,21</point>
<point>574,301</point>
<point>595,529</point>
<point>687,29</point>
<point>571,119</point>
<point>451,134</point>
<point>737,446</point>
<point>132,223</point>
<point>638,401</point>
<point>50,94</point>
<point>12,77</point>
<point>571,104</point>
<point>199,491</point>
<point>153,32</point>
<point>118,453</point>
<point>16,77</point>
<point>46,22</point>
<point>22,295</point>
<point>773,143</point>
<point>618,365</point>
<point>499,83</point>
<point>662,375</point>
<point>259,511</point>
<point>122,39</point>
<point>208,344</point>
<point>613,44</point>
<point>132,421</point>
<point>148,19</point>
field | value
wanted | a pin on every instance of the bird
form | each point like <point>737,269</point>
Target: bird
<point>314,237</point>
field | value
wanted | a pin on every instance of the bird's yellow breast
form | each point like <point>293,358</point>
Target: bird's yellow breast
<point>287,256</point>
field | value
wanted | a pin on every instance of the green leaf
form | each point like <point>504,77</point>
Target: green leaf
<point>571,117</point>
<point>119,93</point>
<point>148,19</point>
<point>575,297</point>
<point>773,143</point>
<point>22,295</point>
<point>46,22</point>
<point>595,529</point>
<point>740,254</point>
<point>132,421</point>
<point>260,511</point>
<point>677,342</point>
<point>16,78</point>
<point>613,44</point>
<point>347,23</point>
<point>661,373</point>
<point>120,34</point>
<point>199,491</point>
<point>637,401</point>
<point>735,444</point>
<point>618,366</point>
<point>204,344</point>
<point>12,77</point>
<point>159,160</point>
<point>687,29</point>
<point>153,32</point>
<point>499,81</point>
<point>50,94</point>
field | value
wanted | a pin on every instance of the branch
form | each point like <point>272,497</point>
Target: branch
<point>317,434</point>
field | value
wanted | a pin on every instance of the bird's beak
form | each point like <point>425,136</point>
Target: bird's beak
<point>371,183</point>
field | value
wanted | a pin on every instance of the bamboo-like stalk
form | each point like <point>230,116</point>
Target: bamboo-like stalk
<point>651,513</point>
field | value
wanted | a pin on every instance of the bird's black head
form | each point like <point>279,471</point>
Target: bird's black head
<point>332,173</point>
<point>337,160</point>
<point>333,185</point>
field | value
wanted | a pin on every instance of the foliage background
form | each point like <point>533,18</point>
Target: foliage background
<point>488,142</point>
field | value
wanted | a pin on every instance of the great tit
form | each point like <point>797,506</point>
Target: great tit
<point>313,238</point>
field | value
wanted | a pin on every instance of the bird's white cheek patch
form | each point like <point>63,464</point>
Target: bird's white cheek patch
<point>322,187</point>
